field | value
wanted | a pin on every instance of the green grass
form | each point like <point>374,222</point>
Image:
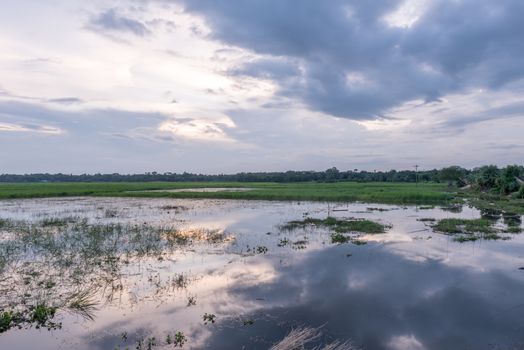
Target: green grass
<point>465,230</point>
<point>375,192</point>
<point>464,226</point>
<point>339,238</point>
<point>427,219</point>
<point>513,229</point>
<point>341,229</point>
<point>339,225</point>
<point>500,203</point>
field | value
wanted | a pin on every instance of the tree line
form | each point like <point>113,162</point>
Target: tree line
<point>485,178</point>
<point>329,175</point>
<point>488,178</point>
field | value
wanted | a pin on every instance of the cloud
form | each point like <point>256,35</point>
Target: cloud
<point>267,69</point>
<point>113,21</point>
<point>66,100</point>
<point>352,59</point>
<point>512,110</point>
<point>81,122</point>
<point>198,129</point>
<point>417,76</point>
<point>70,100</point>
<point>405,342</point>
<point>375,315</point>
<point>39,129</point>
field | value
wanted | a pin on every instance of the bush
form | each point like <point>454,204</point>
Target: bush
<point>488,177</point>
<point>451,174</point>
<point>508,181</point>
<point>520,194</point>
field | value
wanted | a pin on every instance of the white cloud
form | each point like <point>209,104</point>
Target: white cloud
<point>406,14</point>
<point>405,342</point>
<point>39,129</point>
<point>201,130</point>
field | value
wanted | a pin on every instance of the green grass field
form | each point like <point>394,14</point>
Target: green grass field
<point>379,192</point>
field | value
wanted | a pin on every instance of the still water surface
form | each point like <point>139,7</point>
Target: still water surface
<point>410,288</point>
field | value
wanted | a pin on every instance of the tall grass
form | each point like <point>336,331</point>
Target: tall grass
<point>299,337</point>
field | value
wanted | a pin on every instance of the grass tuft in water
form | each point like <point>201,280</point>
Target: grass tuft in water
<point>426,219</point>
<point>298,339</point>
<point>209,318</point>
<point>339,238</point>
<point>464,226</point>
<point>465,230</point>
<point>339,225</point>
<point>83,303</point>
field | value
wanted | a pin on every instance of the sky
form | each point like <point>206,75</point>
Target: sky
<point>224,86</point>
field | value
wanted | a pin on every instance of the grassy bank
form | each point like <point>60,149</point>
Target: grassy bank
<point>379,192</point>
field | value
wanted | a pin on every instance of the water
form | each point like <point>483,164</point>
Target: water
<point>410,288</point>
<point>203,189</point>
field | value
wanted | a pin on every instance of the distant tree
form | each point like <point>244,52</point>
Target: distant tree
<point>452,174</point>
<point>520,194</point>
<point>508,179</point>
<point>488,177</point>
<point>332,174</point>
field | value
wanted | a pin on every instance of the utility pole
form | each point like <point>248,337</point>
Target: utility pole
<point>416,174</point>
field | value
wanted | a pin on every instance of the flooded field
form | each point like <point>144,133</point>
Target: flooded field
<point>120,273</point>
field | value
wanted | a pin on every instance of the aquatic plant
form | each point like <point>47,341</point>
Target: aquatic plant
<point>39,316</point>
<point>283,242</point>
<point>261,249</point>
<point>426,219</point>
<point>209,318</point>
<point>83,303</point>
<point>377,209</point>
<point>298,339</point>
<point>339,238</point>
<point>57,221</point>
<point>464,226</point>
<point>151,342</point>
<point>191,300</point>
<point>464,230</point>
<point>338,225</point>
<point>72,266</point>
<point>180,281</point>
<point>300,244</point>
<point>180,339</point>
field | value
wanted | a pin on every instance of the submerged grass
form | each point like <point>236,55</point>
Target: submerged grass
<point>299,338</point>
<point>464,230</point>
<point>466,226</point>
<point>485,201</point>
<point>68,264</point>
<point>338,225</point>
<point>343,230</point>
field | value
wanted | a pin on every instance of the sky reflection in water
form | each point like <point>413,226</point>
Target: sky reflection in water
<point>408,289</point>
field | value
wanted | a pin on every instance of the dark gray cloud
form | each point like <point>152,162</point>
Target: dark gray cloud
<point>84,122</point>
<point>267,69</point>
<point>472,41</point>
<point>353,64</point>
<point>113,21</point>
<point>512,110</point>
<point>66,100</point>
<point>69,100</point>
<point>411,303</point>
